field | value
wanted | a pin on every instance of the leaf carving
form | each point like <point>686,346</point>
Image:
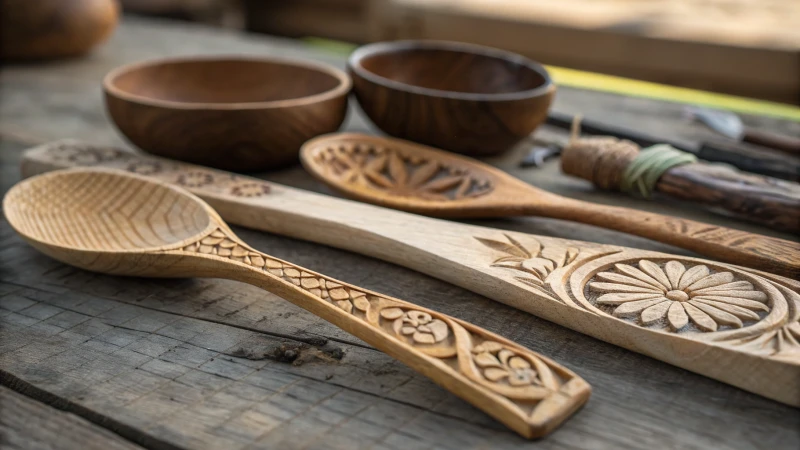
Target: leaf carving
<point>393,172</point>
<point>504,247</point>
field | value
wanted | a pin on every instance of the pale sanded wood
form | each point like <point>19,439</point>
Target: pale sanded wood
<point>416,178</point>
<point>28,424</point>
<point>744,323</point>
<point>120,223</point>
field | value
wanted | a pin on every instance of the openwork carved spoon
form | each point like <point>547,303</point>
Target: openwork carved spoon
<point>119,223</point>
<point>415,178</point>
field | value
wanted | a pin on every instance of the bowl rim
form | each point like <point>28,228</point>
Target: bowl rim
<point>341,89</point>
<point>364,51</point>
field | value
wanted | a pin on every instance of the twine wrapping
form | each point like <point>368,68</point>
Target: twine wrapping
<point>616,164</point>
<point>643,172</point>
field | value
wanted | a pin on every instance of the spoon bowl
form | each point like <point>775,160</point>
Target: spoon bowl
<point>415,178</point>
<point>111,232</point>
<point>115,222</point>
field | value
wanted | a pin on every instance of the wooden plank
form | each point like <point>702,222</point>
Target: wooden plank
<point>160,356</point>
<point>652,41</point>
<point>28,424</point>
<point>94,349</point>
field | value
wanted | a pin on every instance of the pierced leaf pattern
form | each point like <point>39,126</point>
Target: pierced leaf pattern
<point>393,172</point>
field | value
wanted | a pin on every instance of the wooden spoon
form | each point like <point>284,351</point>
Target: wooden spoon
<point>412,177</point>
<point>743,325</point>
<point>119,223</point>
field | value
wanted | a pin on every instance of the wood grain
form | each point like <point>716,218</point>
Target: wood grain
<point>47,29</point>
<point>767,201</point>
<point>463,98</point>
<point>603,160</point>
<point>148,228</point>
<point>28,424</point>
<point>178,338</point>
<point>737,47</point>
<point>559,280</point>
<point>376,170</point>
<point>235,113</point>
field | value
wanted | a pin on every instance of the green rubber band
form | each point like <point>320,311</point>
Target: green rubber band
<point>643,172</point>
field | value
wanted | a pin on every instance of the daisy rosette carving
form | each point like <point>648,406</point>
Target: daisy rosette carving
<point>681,298</point>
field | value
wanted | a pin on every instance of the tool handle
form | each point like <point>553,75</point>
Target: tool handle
<point>787,144</point>
<point>527,392</point>
<point>724,244</point>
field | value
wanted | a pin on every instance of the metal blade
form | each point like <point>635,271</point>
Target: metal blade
<point>723,122</point>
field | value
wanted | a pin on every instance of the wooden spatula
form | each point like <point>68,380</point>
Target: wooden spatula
<point>420,179</point>
<point>745,331</point>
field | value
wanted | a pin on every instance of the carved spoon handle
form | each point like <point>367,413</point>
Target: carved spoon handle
<point>526,391</point>
<point>774,255</point>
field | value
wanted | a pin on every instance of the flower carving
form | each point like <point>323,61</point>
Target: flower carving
<point>419,325</point>
<point>84,155</point>
<point>250,189</point>
<point>499,363</point>
<point>679,295</point>
<point>145,167</point>
<point>195,178</point>
<point>394,172</point>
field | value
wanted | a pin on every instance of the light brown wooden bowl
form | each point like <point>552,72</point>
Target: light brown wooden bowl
<point>233,113</point>
<point>460,97</point>
<point>45,29</point>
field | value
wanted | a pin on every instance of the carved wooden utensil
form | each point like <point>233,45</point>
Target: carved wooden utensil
<point>412,177</point>
<point>115,222</point>
<point>736,325</point>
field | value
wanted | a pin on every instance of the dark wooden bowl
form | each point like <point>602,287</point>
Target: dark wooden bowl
<point>44,29</point>
<point>233,113</point>
<point>465,98</point>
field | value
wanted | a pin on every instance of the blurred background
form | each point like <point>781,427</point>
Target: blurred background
<point>747,48</point>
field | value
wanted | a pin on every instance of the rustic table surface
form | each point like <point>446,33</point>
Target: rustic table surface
<point>94,361</point>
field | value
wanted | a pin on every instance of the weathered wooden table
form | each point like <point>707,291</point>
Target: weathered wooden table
<point>206,363</point>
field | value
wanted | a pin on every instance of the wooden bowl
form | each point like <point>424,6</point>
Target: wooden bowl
<point>233,113</point>
<point>44,29</point>
<point>465,98</point>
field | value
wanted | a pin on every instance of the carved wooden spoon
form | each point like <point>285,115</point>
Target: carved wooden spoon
<point>415,178</point>
<point>119,223</point>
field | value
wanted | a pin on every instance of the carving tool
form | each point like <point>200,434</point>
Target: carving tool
<point>618,165</point>
<point>415,178</point>
<point>559,280</point>
<point>730,125</point>
<point>751,158</point>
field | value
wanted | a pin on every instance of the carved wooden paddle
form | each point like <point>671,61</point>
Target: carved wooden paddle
<point>736,325</point>
<point>110,221</point>
<point>415,178</point>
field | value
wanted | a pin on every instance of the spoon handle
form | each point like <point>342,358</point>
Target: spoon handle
<point>774,255</point>
<point>529,393</point>
<point>544,276</point>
